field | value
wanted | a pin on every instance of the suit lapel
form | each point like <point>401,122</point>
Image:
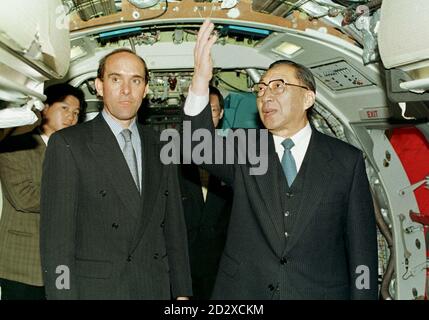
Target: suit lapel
<point>316,181</point>
<point>112,162</point>
<point>268,184</point>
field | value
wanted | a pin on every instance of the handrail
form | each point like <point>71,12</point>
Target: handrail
<point>20,88</point>
<point>418,86</point>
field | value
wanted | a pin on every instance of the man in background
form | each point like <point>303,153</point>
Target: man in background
<point>207,204</point>
<point>21,159</point>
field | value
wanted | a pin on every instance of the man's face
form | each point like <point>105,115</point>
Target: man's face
<point>123,86</point>
<point>286,113</point>
<point>217,111</point>
<point>61,115</point>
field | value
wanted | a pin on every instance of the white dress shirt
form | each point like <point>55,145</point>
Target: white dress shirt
<point>195,104</point>
<point>44,137</point>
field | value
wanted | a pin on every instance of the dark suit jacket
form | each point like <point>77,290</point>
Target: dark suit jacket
<point>116,243</point>
<point>207,224</point>
<point>21,159</point>
<point>334,232</point>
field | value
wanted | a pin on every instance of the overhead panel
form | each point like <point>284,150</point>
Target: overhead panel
<point>340,75</point>
<point>402,39</point>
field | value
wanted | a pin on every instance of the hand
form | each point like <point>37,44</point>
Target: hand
<point>203,64</point>
<point>182,298</point>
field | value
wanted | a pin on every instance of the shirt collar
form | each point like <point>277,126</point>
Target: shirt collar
<point>45,138</point>
<point>116,127</point>
<point>298,138</point>
<point>42,135</point>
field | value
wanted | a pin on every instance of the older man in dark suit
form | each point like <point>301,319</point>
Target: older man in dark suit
<point>112,224</point>
<point>305,229</point>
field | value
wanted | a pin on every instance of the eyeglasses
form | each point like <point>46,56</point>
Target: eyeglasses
<point>277,87</point>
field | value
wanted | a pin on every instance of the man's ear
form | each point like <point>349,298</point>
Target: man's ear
<point>45,109</point>
<point>309,100</point>
<point>221,114</point>
<point>99,86</point>
<point>146,90</point>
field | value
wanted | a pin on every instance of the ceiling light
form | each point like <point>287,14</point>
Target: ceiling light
<point>77,52</point>
<point>287,49</point>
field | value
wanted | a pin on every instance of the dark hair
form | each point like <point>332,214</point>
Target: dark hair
<point>216,92</point>
<point>102,63</point>
<point>303,74</point>
<point>58,92</point>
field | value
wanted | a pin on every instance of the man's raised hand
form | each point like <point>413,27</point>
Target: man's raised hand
<point>203,64</point>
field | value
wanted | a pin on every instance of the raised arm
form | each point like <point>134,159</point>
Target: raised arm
<point>198,100</point>
<point>203,63</point>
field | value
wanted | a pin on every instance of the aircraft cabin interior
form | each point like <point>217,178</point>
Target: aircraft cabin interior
<point>370,59</point>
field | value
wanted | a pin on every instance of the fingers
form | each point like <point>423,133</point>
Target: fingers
<point>203,27</point>
<point>204,38</point>
<point>203,65</point>
<point>208,47</point>
<point>212,40</point>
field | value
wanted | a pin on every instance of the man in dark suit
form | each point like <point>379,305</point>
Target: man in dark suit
<point>207,204</point>
<point>21,159</point>
<point>305,229</point>
<point>112,224</point>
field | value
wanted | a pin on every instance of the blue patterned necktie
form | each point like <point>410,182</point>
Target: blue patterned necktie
<point>130,156</point>
<point>288,162</point>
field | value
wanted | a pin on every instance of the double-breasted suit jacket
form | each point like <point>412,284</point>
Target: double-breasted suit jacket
<point>115,242</point>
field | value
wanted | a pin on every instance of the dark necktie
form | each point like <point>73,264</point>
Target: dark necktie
<point>130,156</point>
<point>288,162</point>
